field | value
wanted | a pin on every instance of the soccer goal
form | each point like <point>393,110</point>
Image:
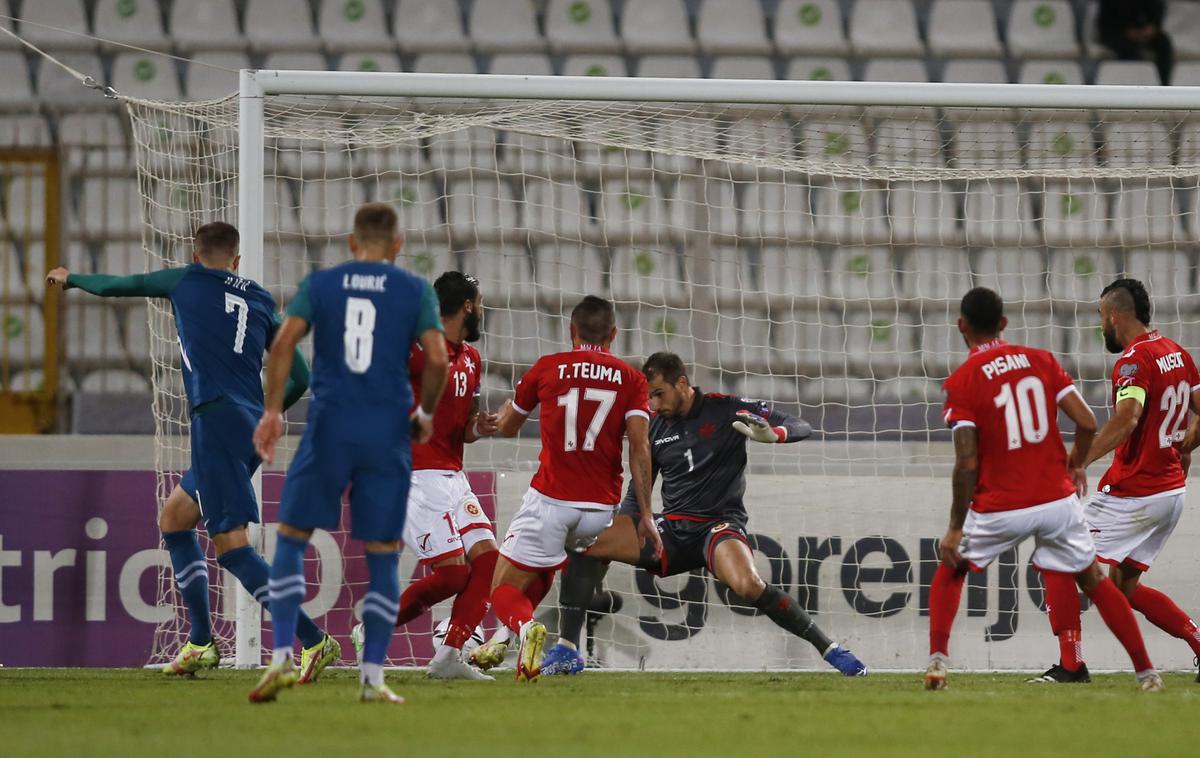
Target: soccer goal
<point>803,242</point>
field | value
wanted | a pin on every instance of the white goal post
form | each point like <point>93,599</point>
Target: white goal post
<point>838,305</point>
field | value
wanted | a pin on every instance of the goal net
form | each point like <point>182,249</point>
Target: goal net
<point>809,255</point>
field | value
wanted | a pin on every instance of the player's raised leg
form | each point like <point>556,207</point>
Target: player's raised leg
<point>177,522</point>
<point>732,562</point>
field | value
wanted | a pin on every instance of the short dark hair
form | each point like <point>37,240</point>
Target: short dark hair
<point>376,222</point>
<point>594,319</point>
<point>1129,295</point>
<point>454,289</point>
<point>667,366</point>
<point>983,309</point>
<point>217,239</point>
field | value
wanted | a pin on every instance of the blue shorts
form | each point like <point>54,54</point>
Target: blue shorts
<point>223,461</point>
<point>338,451</point>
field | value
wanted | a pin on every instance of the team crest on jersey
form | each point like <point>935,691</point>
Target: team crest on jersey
<point>707,430</point>
<point>720,527</point>
<point>473,509</point>
<point>469,364</point>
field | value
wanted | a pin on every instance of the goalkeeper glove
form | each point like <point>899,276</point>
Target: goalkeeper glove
<point>758,428</point>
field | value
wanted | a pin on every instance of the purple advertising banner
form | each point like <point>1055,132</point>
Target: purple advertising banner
<point>80,561</point>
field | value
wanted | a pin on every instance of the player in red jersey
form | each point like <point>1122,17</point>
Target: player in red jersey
<point>1140,498</point>
<point>446,526</point>
<point>590,401</point>
<point>1013,480</point>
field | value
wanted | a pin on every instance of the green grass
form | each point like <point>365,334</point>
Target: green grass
<point>51,712</point>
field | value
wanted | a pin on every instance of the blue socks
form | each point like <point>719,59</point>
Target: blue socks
<point>191,575</point>
<point>286,593</point>
<point>252,571</point>
<point>380,605</point>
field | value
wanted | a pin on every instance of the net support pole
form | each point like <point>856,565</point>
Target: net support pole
<point>248,637</point>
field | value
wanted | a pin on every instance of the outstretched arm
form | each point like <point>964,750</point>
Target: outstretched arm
<point>154,284</point>
<point>774,427</point>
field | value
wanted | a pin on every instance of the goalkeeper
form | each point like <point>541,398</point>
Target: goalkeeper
<point>698,445</point>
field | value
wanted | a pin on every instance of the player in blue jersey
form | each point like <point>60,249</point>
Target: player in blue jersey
<point>365,315</point>
<point>225,323</point>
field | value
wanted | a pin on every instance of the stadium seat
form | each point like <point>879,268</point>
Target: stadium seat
<point>1136,73</point>
<point>998,213</point>
<point>819,70</point>
<point>92,332</point>
<point>728,280</point>
<point>942,348</point>
<point>923,213</point>
<point>669,67</point>
<point>942,273</point>
<point>326,206</point>
<point>505,26</point>
<point>16,88</point>
<point>32,380</point>
<point>836,141</point>
<point>416,201</point>
<point>286,269</point>
<point>481,211</point>
<point>119,258</point>
<point>857,273</point>
<point>1050,72</point>
<point>799,339</point>
<point>354,25</point>
<point>605,144</point>
<point>206,25</point>
<point>444,63</point>
<point>1137,143</point>
<point>879,338</point>
<point>1186,74</point>
<point>1079,274</point>
<point>23,204</point>
<point>742,341</point>
<point>145,76</point>
<point>884,27</point>
<point>137,333</point>
<point>1168,276</point>
<point>775,210</point>
<point>68,15</point>
<point>771,141</point>
<point>1034,328</point>
<point>473,147</point>
<point>656,26</point>
<point>905,142</point>
<point>895,70</point>
<point>427,262</point>
<point>114,381</point>
<point>632,210</point>
<point>810,27</point>
<point>425,26</point>
<point>970,70</point>
<point>1082,344</point>
<point>653,329</point>
<point>94,142</point>
<point>1042,29</point>
<point>108,206</point>
<point>280,25</point>
<point>732,27</point>
<point>701,206</point>
<point>213,75</point>
<point>742,67</point>
<point>296,61</point>
<point>792,271</point>
<point>380,61</point>
<point>1060,145</point>
<point>21,273</point>
<point>1182,23</point>
<point>963,28</point>
<point>23,339</point>
<point>518,337</point>
<point>30,130</point>
<point>130,23</point>
<point>594,65</point>
<point>581,26</point>
<point>531,64</point>
<point>57,89</point>
<point>985,144</point>
<point>1018,274</point>
<point>506,273</point>
<point>645,275</point>
<point>850,212</point>
<point>570,269</point>
<point>1074,213</point>
<point>1144,212</point>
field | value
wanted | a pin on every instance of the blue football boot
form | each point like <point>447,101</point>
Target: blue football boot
<point>562,660</point>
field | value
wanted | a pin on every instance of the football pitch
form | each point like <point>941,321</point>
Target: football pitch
<point>59,712</point>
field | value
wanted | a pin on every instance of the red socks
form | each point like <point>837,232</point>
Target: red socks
<point>1161,611</point>
<point>511,606</point>
<point>423,594</point>
<point>944,594</point>
<point>1062,604</point>
<point>1114,608</point>
<point>472,603</point>
<point>514,607</point>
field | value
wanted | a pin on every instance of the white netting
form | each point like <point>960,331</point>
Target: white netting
<point>810,256</point>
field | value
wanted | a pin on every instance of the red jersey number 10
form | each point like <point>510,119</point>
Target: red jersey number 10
<point>1024,409</point>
